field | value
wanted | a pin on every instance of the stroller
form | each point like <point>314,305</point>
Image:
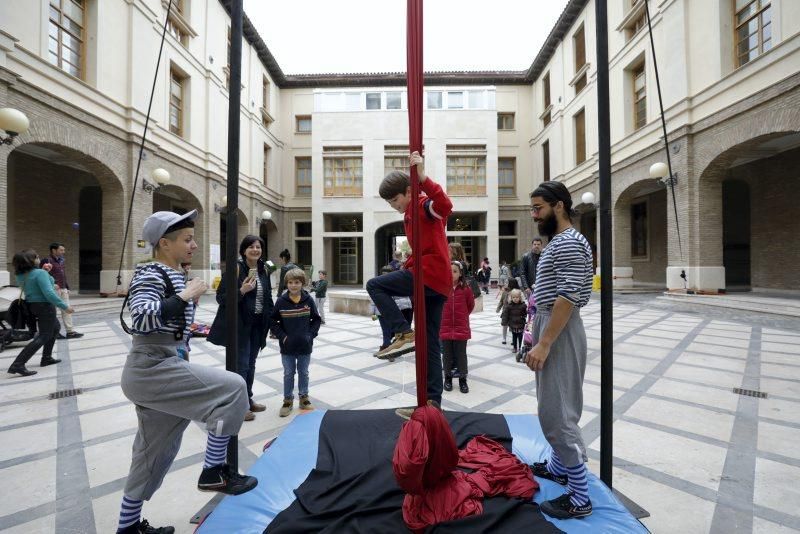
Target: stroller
<point>9,334</point>
<point>528,341</point>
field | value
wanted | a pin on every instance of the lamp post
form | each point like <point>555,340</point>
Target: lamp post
<point>13,122</point>
<point>223,203</point>
<point>588,198</point>
<point>160,177</point>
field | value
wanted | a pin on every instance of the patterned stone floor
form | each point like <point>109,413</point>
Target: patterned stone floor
<point>697,456</point>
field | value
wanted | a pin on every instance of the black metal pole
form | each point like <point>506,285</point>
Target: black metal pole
<point>671,180</point>
<point>231,223</point>
<point>606,295</point>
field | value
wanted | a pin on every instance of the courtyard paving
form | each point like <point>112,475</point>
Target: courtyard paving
<point>697,456</point>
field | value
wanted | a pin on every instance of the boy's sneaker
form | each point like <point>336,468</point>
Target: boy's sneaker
<point>401,344</point>
<point>540,470</point>
<point>305,403</point>
<point>143,527</point>
<point>225,480</point>
<point>286,407</point>
<point>562,508</point>
<point>406,413</point>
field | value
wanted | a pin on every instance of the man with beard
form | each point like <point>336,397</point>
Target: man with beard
<point>529,262</point>
<point>563,286</point>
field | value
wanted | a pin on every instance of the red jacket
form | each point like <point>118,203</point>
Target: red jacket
<point>455,314</point>
<point>434,208</point>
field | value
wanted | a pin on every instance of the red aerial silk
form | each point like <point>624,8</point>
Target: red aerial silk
<point>414,80</point>
<point>425,465</point>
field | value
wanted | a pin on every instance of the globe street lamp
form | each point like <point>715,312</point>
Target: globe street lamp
<point>160,177</point>
<point>13,122</point>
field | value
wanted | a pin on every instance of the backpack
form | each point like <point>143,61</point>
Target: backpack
<point>19,312</point>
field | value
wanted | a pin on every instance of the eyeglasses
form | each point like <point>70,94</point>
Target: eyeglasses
<point>537,209</point>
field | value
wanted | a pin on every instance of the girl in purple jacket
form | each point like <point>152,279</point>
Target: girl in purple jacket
<point>455,330</point>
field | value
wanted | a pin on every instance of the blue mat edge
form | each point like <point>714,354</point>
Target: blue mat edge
<point>252,512</point>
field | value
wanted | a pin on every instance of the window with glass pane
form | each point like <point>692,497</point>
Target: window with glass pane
<point>65,41</point>
<point>507,177</point>
<point>302,229</point>
<point>579,42</point>
<point>466,170</point>
<point>579,121</point>
<point>303,123</point>
<point>176,83</point>
<point>266,163</point>
<point>373,101</point>
<point>302,177</point>
<point>546,90</point>
<point>477,99</point>
<point>546,161</point>
<point>455,100</point>
<point>393,101</point>
<point>580,83</point>
<point>395,161</point>
<point>505,121</point>
<point>639,97</point>
<point>434,99</point>
<point>753,29</point>
<point>639,230</point>
<point>343,173</point>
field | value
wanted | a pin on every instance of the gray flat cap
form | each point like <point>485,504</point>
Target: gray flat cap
<point>158,223</point>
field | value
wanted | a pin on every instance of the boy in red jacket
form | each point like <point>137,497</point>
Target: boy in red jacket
<point>434,208</point>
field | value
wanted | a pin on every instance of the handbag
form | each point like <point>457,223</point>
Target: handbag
<point>19,312</point>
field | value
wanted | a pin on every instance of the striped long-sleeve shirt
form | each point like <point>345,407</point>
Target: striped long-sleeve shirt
<point>564,270</point>
<point>146,291</point>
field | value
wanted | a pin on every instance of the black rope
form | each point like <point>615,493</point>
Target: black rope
<point>141,147</point>
<point>671,180</point>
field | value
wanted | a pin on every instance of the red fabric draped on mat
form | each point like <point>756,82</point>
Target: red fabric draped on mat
<point>426,463</point>
<point>414,81</point>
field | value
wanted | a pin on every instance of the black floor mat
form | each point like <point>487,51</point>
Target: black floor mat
<point>353,490</point>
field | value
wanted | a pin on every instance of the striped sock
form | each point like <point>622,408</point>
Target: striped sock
<point>555,466</point>
<point>129,513</point>
<point>216,450</point>
<point>578,484</point>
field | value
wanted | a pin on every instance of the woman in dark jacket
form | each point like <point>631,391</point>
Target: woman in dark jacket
<point>255,306</point>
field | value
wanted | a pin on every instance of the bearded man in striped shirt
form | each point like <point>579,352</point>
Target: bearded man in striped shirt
<point>563,286</point>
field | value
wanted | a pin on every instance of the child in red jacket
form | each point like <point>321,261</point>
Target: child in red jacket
<point>455,329</point>
<point>432,251</point>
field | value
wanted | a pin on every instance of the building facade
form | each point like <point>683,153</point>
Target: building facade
<point>314,147</point>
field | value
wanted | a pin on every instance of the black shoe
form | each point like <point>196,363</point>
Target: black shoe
<point>448,383</point>
<point>143,527</point>
<point>504,342</point>
<point>60,336</point>
<point>20,370</point>
<point>562,508</point>
<point>540,470</point>
<point>48,361</point>
<point>73,335</point>
<point>462,385</point>
<point>223,479</point>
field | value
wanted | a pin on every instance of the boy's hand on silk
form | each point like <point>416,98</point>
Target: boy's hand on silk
<point>418,160</point>
<point>537,356</point>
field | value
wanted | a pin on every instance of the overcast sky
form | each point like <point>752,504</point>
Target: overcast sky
<point>320,36</point>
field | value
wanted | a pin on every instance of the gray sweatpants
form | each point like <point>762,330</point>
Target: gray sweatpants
<point>559,388</point>
<point>169,393</point>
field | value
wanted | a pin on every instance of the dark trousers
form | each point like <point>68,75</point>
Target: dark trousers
<point>455,355</point>
<point>386,331</point>
<point>516,339</point>
<point>401,284</point>
<point>46,332</point>
<point>249,346</point>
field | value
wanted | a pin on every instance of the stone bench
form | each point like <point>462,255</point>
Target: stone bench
<point>357,302</point>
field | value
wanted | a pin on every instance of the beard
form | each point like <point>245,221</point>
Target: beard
<point>548,226</point>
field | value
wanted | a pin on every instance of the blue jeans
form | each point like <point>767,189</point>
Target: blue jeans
<point>387,333</point>
<point>292,363</point>
<point>401,284</point>
<point>249,346</point>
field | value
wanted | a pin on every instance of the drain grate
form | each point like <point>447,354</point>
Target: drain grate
<point>750,393</point>
<point>65,393</point>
